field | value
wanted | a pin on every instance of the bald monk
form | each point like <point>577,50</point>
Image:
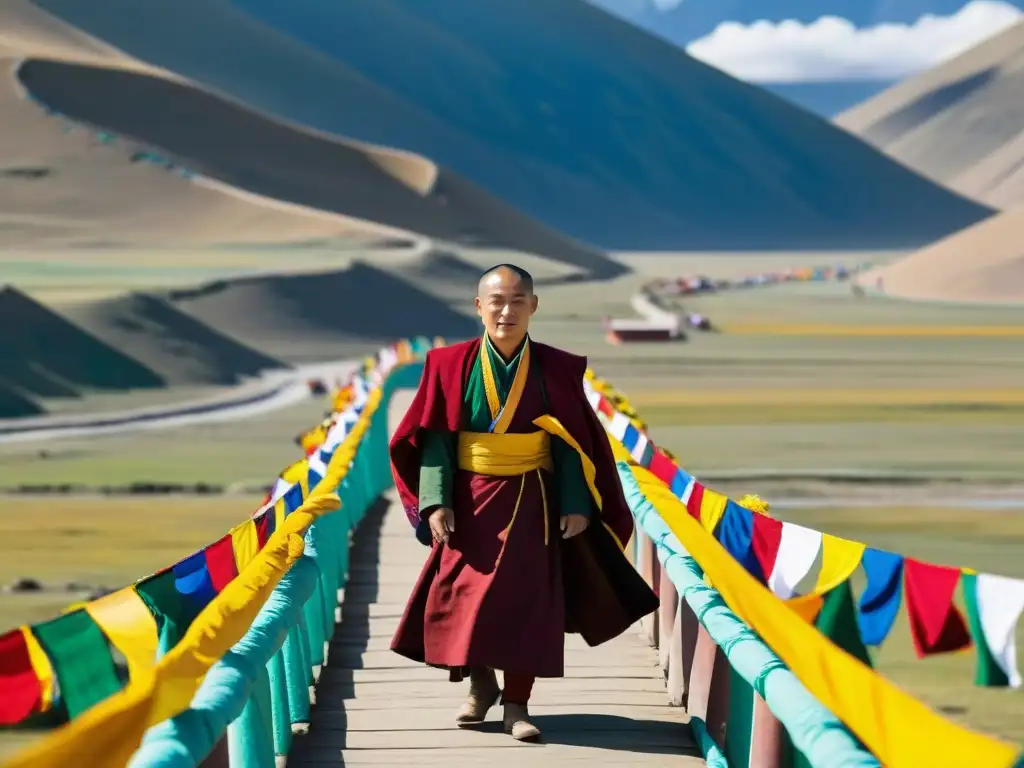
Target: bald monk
<point>508,476</point>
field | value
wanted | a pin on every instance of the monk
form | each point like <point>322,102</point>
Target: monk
<point>508,476</point>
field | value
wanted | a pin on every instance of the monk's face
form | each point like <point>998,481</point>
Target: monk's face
<point>505,305</point>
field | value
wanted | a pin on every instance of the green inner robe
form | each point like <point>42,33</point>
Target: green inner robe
<point>437,464</point>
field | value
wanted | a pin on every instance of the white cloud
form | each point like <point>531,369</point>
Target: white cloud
<point>834,49</point>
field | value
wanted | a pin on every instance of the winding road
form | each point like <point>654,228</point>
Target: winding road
<point>270,392</point>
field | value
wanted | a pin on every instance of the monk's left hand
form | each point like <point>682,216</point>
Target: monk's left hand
<point>573,525</point>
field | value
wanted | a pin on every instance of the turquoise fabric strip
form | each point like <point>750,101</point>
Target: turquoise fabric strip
<point>279,702</point>
<point>815,731</point>
<point>231,689</point>
<point>713,755</point>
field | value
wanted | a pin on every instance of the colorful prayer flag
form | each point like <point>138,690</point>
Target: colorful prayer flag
<point>935,623</point>
<point>22,689</point>
<point>880,601</point>
<point>798,562</point>
<point>220,562</point>
<point>129,626</point>
<point>994,606</point>
<point>245,543</point>
<point>766,540</point>
<point>839,558</point>
<point>736,533</point>
<point>193,581</point>
<point>81,659</point>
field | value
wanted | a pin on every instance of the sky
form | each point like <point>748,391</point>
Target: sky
<point>832,48</point>
<point>824,55</point>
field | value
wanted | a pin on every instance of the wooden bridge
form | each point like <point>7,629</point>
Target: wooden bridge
<point>374,707</point>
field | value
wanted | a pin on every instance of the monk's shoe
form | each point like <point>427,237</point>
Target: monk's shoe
<point>483,694</point>
<point>518,725</point>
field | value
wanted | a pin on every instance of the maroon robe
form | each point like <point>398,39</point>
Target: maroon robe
<point>504,601</point>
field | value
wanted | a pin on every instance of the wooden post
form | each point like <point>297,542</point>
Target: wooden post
<point>708,692</point>
<point>765,737</point>
<point>666,619</point>
<point>650,571</point>
<point>219,756</point>
<point>677,672</point>
<point>689,628</point>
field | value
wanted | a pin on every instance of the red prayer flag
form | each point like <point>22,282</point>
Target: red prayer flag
<point>936,625</point>
<point>765,541</point>
<point>220,562</point>
<point>662,467</point>
<point>604,406</point>
<point>266,523</point>
<point>696,499</point>
<point>22,692</point>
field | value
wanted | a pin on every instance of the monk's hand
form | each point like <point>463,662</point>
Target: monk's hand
<point>442,524</point>
<point>573,525</point>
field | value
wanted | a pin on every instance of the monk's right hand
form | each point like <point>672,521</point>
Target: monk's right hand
<point>442,524</point>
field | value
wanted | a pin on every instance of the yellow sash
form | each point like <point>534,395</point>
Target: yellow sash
<point>508,455</point>
<point>504,455</point>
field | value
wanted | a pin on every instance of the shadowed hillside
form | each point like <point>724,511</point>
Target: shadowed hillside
<point>961,123</point>
<point>250,151</point>
<point>13,405</point>
<point>573,117</point>
<point>177,347</point>
<point>314,317</point>
<point>45,355</point>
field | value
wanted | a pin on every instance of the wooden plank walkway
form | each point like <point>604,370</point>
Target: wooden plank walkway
<point>376,708</point>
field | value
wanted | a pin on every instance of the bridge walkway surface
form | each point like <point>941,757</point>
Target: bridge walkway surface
<point>374,707</point>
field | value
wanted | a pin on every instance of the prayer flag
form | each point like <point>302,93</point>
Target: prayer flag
<point>880,601</point>
<point>994,606</point>
<point>935,623</point>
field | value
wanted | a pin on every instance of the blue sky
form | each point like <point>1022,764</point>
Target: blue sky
<point>799,41</point>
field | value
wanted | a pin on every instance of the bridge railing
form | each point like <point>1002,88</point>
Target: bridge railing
<point>236,684</point>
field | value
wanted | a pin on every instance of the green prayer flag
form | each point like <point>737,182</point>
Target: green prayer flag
<point>82,660</point>
<point>173,612</point>
<point>987,672</point>
<point>837,620</point>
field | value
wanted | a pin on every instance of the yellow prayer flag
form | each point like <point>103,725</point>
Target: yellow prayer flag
<point>839,559</point>
<point>712,509</point>
<point>130,627</point>
<point>42,667</point>
<point>245,543</point>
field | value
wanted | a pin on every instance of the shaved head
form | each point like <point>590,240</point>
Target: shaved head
<point>505,272</point>
<point>505,302</point>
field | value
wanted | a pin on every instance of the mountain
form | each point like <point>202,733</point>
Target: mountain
<point>981,264</point>
<point>646,149</point>
<point>961,124</point>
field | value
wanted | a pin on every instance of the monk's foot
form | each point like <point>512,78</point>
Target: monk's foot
<point>483,694</point>
<point>518,725</point>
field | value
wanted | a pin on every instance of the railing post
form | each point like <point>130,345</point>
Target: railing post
<point>666,619</point>
<point>765,737</point>
<point>219,756</point>
<point>647,564</point>
<point>708,691</point>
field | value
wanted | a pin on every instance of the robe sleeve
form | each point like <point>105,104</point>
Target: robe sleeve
<point>574,495</point>
<point>436,467</point>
